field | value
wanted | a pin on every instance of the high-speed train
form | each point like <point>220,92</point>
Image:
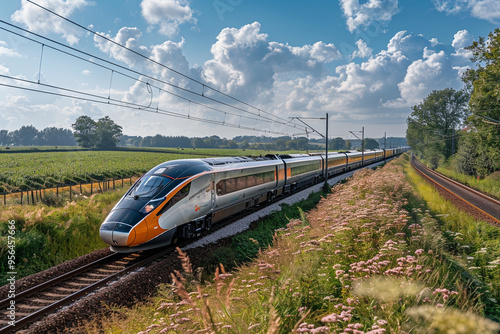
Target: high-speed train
<point>177,199</point>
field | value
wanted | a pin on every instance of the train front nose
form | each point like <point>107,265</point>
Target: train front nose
<point>118,228</point>
<point>116,233</point>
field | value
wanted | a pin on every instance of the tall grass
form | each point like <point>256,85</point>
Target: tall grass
<point>47,236</point>
<point>488,185</point>
<point>371,258</point>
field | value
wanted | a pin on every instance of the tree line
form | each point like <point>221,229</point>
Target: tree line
<point>462,127</point>
<point>31,136</point>
<point>106,134</point>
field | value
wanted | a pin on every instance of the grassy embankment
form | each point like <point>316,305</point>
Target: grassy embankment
<point>376,256</point>
<point>47,236</point>
<point>489,185</point>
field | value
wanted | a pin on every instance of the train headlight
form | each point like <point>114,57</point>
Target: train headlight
<point>151,205</point>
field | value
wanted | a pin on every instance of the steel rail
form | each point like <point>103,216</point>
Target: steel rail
<point>90,288</point>
<point>421,168</point>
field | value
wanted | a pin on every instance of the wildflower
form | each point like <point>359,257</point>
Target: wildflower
<point>330,318</point>
<point>253,326</point>
<point>419,251</point>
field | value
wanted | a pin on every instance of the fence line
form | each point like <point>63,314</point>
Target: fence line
<point>34,196</point>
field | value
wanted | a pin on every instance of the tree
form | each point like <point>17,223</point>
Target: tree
<point>433,122</point>
<point>337,144</point>
<point>56,136</point>
<point>85,131</point>
<point>25,136</point>
<point>108,133</point>
<point>370,144</point>
<point>103,134</point>
<point>484,84</point>
<point>4,137</point>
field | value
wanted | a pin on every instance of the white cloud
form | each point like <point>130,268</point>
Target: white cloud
<point>462,39</point>
<point>168,14</point>
<point>488,10</point>
<point>363,50</point>
<point>6,52</point>
<point>39,20</point>
<point>373,11</point>
<point>383,87</point>
<point>245,64</point>
<point>128,37</point>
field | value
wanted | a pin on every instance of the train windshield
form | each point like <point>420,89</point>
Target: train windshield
<point>149,186</point>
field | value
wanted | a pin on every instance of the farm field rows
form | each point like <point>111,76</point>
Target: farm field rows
<point>41,170</point>
<point>27,171</point>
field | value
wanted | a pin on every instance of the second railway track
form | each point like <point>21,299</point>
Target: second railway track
<point>480,204</point>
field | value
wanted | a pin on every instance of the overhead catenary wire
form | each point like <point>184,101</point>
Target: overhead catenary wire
<point>129,105</point>
<point>130,70</point>
<point>204,85</point>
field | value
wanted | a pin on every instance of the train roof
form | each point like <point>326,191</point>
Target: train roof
<point>226,160</point>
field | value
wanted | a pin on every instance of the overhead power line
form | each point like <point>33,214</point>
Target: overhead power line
<point>129,105</point>
<point>260,111</point>
<point>93,62</point>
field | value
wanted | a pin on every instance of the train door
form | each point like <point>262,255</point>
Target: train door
<point>212,193</point>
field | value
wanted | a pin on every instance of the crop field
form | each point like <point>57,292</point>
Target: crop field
<point>40,170</point>
<point>27,171</point>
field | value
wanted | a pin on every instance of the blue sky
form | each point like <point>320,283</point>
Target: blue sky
<point>365,62</point>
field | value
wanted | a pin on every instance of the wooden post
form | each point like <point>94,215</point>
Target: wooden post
<point>131,180</point>
<point>32,198</point>
<point>4,199</point>
<point>99,183</point>
<point>57,191</point>
<point>21,197</point>
<point>70,192</point>
<point>81,187</point>
<point>122,182</point>
<point>113,183</point>
<point>90,188</point>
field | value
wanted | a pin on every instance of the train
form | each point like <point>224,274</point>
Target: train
<point>180,198</point>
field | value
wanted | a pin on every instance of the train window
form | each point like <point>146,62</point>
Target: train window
<point>176,198</point>
<point>242,182</point>
<point>305,169</point>
<point>230,186</point>
<point>221,187</point>
<point>148,186</point>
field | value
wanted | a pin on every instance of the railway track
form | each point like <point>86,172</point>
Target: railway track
<point>473,201</point>
<point>38,301</point>
<point>41,300</point>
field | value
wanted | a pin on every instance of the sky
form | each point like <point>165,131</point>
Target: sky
<point>234,67</point>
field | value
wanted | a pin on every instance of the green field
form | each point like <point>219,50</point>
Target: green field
<point>38,170</point>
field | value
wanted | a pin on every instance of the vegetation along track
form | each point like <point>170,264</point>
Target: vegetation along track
<point>478,204</point>
<point>38,301</point>
<point>44,299</point>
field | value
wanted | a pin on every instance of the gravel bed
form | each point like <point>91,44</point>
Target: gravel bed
<point>143,283</point>
<point>43,276</point>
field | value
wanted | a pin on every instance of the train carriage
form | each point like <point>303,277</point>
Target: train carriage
<point>179,198</point>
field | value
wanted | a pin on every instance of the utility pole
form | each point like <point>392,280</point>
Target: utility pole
<point>326,137</point>
<point>362,143</point>
<point>385,142</point>
<point>326,150</point>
